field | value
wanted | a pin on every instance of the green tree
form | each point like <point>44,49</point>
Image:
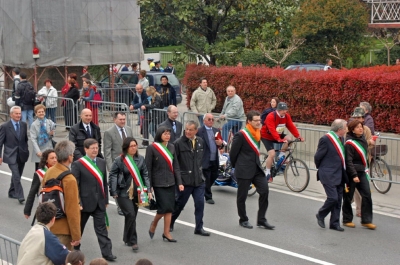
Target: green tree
<point>333,28</point>
<point>204,26</point>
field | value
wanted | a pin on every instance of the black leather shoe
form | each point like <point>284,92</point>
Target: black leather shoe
<point>337,228</point>
<point>320,221</point>
<point>21,200</point>
<point>135,247</point>
<point>201,232</point>
<point>110,257</point>
<point>210,201</point>
<point>129,244</point>
<point>119,211</point>
<point>266,225</point>
<point>246,224</point>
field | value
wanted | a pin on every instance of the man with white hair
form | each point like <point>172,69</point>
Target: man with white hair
<point>14,139</point>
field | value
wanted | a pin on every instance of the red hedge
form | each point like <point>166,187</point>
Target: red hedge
<point>316,97</point>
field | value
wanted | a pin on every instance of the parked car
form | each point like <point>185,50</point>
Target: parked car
<point>306,66</point>
<point>125,82</point>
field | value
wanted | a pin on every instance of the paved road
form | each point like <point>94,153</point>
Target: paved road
<point>296,240</point>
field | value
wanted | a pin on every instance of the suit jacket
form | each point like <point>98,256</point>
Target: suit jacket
<point>13,146</point>
<point>77,135</point>
<point>329,163</point>
<point>113,143</point>
<point>91,193</point>
<point>202,133</point>
<point>243,158</point>
<point>174,136</point>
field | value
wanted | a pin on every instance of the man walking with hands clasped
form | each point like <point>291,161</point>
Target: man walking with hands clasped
<point>330,162</point>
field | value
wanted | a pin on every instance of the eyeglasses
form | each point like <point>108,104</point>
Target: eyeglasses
<point>210,119</point>
<point>132,146</point>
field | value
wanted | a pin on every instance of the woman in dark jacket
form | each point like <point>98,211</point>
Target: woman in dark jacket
<point>150,121</point>
<point>69,112</point>
<point>47,160</point>
<point>164,175</point>
<point>124,189</point>
<point>356,149</point>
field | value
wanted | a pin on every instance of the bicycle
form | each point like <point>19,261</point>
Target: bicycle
<point>380,169</point>
<point>296,172</point>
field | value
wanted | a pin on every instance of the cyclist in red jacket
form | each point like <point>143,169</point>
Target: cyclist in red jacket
<point>273,132</point>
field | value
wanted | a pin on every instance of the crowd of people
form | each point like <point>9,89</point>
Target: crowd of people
<point>182,161</point>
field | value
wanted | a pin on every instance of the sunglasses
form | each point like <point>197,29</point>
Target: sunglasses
<point>210,119</point>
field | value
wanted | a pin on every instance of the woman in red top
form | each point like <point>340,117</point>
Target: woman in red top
<point>65,88</point>
<point>88,91</point>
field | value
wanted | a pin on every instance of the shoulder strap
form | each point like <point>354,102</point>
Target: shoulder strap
<point>63,174</point>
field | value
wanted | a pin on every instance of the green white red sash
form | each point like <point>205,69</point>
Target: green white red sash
<point>40,172</point>
<point>338,146</point>
<point>137,178</point>
<point>93,168</point>
<point>165,153</point>
<point>362,153</point>
<point>251,141</point>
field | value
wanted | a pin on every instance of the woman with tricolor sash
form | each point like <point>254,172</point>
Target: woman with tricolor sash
<point>47,160</point>
<point>357,168</point>
<point>130,186</point>
<point>164,175</point>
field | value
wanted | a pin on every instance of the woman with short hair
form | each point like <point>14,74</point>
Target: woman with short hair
<point>153,101</point>
<point>42,132</point>
<point>48,96</point>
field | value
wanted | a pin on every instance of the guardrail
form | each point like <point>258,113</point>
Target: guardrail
<point>8,250</point>
<point>4,108</point>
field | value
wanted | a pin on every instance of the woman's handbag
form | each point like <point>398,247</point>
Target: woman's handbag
<point>152,204</point>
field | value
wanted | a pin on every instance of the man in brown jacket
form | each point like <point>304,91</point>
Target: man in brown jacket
<point>67,229</point>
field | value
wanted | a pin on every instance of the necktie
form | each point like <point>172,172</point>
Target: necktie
<point>174,126</point>
<point>88,131</point>
<point>94,161</point>
<point>17,129</point>
<point>193,142</point>
<point>123,134</point>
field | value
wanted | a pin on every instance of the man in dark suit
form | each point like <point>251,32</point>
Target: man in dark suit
<point>113,138</point>
<point>330,162</point>
<point>210,161</point>
<point>91,176</point>
<point>83,130</point>
<point>245,158</point>
<point>172,123</point>
<point>14,138</point>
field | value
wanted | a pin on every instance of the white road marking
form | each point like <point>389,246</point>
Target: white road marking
<point>248,241</point>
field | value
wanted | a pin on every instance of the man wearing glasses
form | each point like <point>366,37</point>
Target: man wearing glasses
<point>245,158</point>
<point>210,161</point>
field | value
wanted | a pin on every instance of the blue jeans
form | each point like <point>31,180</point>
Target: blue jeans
<point>27,114</point>
<point>234,125</point>
<point>200,120</point>
<point>51,114</point>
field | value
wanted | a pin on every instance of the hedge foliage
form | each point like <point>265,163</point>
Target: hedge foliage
<point>316,97</point>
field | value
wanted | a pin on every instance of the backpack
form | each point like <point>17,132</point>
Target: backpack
<point>53,191</point>
<point>265,113</point>
<point>29,96</point>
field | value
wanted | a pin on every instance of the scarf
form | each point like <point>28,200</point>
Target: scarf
<point>43,136</point>
<point>256,133</point>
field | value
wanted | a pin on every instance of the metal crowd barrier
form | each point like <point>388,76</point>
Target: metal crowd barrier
<point>8,250</point>
<point>305,151</point>
<point>4,108</point>
<point>105,111</point>
<point>121,94</point>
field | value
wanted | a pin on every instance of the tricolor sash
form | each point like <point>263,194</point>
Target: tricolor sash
<point>165,153</point>
<point>40,172</point>
<point>363,154</point>
<point>93,168</point>
<point>137,178</point>
<point>251,141</point>
<point>338,146</point>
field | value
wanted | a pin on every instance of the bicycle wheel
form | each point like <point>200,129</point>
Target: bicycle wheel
<point>380,170</point>
<point>297,175</point>
<point>252,190</point>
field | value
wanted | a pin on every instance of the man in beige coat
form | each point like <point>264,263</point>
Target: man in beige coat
<point>203,100</point>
